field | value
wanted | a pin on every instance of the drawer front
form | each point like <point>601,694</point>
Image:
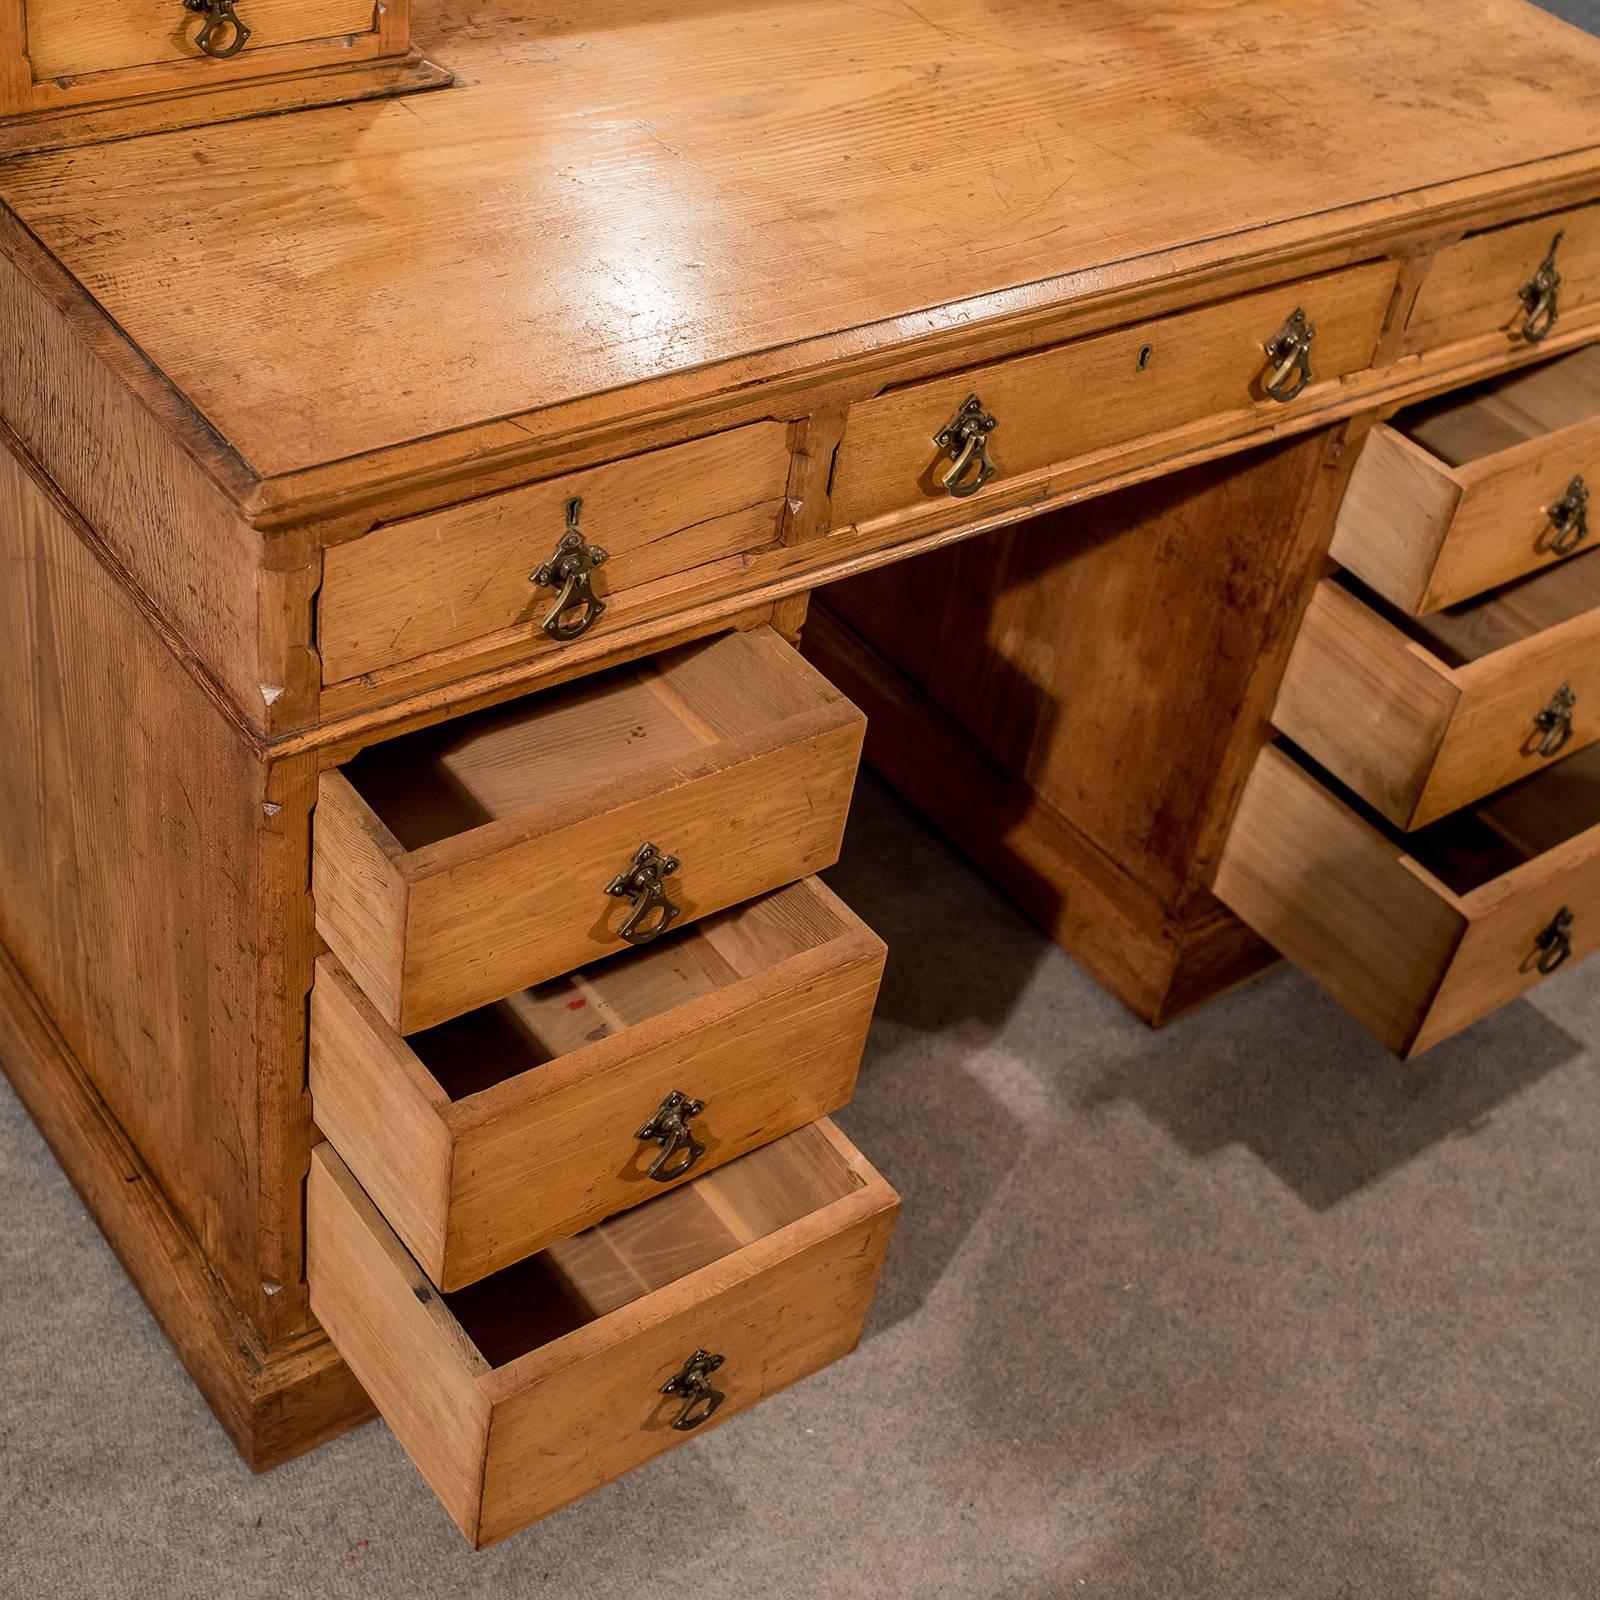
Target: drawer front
<point>1473,287</point>
<point>518,1397</point>
<point>441,581</point>
<point>1061,405</point>
<point>69,40</point>
<point>1418,738</point>
<point>1426,535</point>
<point>759,756</point>
<point>758,1018</point>
<point>1408,958</point>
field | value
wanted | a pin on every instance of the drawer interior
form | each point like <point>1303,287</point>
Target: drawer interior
<point>446,780</point>
<point>1461,634</point>
<point>634,1254</point>
<point>1502,413</point>
<point>498,1042</point>
<point>1476,846</point>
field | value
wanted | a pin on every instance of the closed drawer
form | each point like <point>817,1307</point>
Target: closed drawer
<point>537,1385</point>
<point>1422,716</point>
<point>488,1137</point>
<point>664,519</point>
<point>454,866</point>
<point>1475,287</point>
<point>1064,404</point>
<point>68,40</point>
<point>1418,935</point>
<point>1468,492</point>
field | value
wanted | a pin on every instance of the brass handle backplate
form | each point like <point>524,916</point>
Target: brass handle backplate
<point>1555,721</point>
<point>965,439</point>
<point>1541,297</point>
<point>669,1127</point>
<point>1555,943</point>
<point>223,35</point>
<point>1289,356</point>
<point>693,1383</point>
<point>1569,518</point>
<point>570,570</point>
<point>642,883</point>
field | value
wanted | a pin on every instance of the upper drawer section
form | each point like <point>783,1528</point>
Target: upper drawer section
<point>442,580</point>
<point>1063,404</point>
<point>460,863</point>
<point>1477,488</point>
<point>1501,281</point>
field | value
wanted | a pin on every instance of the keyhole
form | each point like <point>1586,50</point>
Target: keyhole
<point>1145,352</point>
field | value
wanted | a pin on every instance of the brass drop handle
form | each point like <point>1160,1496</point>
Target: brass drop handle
<point>1555,943</point>
<point>669,1127</point>
<point>693,1382</point>
<point>571,571</point>
<point>1569,517</point>
<point>1541,297</point>
<point>1289,356</point>
<point>223,35</point>
<point>641,882</point>
<point>965,439</point>
<point>1555,721</point>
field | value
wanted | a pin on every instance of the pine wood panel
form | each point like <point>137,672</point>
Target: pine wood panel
<point>718,216</point>
<point>1472,285</point>
<point>448,882</point>
<point>67,40</point>
<point>1454,499</point>
<point>428,583</point>
<point>1061,404</point>
<point>778,1256</point>
<point>1419,734</point>
<point>486,1139</point>
<point>1412,959</point>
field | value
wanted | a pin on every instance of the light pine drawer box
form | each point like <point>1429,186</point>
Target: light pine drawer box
<point>1423,716</point>
<point>1457,496</point>
<point>456,866</point>
<point>1059,405</point>
<point>1420,935</point>
<point>489,1137</point>
<point>544,1382</point>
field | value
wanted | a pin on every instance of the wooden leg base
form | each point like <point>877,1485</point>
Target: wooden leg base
<point>275,1404</point>
<point>1110,924</point>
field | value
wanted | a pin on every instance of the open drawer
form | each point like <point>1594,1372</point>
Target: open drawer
<point>1418,935</point>
<point>555,1376</point>
<point>1421,716</point>
<point>1461,494</point>
<point>490,1136</point>
<point>456,865</point>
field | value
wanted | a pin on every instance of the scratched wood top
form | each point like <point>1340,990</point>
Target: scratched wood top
<point>620,190</point>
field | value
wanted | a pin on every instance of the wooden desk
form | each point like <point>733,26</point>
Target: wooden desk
<point>299,409</point>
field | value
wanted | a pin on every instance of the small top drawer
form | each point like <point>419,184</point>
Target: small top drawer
<point>1057,406</point>
<point>455,865</point>
<point>440,581</point>
<point>1502,281</point>
<point>1461,494</point>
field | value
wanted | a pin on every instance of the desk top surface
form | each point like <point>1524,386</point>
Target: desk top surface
<point>620,191</point>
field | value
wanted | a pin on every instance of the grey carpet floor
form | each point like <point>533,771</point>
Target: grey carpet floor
<point>1243,1310</point>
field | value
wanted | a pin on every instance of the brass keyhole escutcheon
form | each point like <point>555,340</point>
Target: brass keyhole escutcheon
<point>224,34</point>
<point>965,439</point>
<point>1569,518</point>
<point>570,570</point>
<point>1289,357</point>
<point>642,883</point>
<point>1555,943</point>
<point>669,1128</point>
<point>693,1383</point>
<point>1541,297</point>
<point>1555,721</point>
